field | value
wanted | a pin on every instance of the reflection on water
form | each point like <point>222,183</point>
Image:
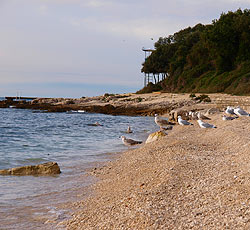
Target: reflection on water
<point>33,138</point>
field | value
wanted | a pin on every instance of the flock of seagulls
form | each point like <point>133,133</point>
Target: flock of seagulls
<point>236,111</point>
<point>165,124</point>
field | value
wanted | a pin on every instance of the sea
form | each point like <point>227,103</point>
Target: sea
<point>29,137</point>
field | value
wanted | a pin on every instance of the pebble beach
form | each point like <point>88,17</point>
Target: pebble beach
<point>192,178</point>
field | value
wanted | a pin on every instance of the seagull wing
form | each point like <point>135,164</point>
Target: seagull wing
<point>207,125</point>
<point>184,122</point>
<point>242,112</point>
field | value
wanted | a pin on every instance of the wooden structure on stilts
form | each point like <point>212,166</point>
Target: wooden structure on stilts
<point>152,77</point>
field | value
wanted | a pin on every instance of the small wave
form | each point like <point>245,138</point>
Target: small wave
<point>32,160</point>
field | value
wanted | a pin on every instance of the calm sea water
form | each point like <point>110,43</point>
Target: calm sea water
<point>26,138</point>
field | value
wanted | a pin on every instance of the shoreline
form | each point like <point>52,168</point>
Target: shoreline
<point>139,177</point>
<point>184,183</point>
<point>192,178</point>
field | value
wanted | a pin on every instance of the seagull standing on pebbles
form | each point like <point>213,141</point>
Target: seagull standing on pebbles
<point>183,122</point>
<point>161,122</point>
<point>129,142</point>
<point>230,111</point>
<point>205,125</point>
<point>240,112</point>
<point>225,118</point>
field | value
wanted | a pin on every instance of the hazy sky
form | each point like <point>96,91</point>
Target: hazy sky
<point>74,48</point>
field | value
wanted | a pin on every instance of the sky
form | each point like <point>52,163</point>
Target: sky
<point>75,48</point>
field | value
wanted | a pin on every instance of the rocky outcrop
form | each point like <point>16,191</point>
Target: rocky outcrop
<point>155,136</point>
<point>49,168</point>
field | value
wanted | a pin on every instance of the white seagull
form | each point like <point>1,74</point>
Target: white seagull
<point>230,111</point>
<point>129,142</point>
<point>183,122</point>
<point>205,125</point>
<point>162,122</point>
<point>240,112</point>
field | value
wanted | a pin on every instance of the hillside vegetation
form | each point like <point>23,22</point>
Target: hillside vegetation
<point>205,58</point>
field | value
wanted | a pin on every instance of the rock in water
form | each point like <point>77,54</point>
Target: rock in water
<point>155,136</point>
<point>49,168</point>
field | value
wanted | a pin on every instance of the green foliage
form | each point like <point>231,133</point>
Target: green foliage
<point>205,58</point>
<point>150,88</point>
<point>109,95</point>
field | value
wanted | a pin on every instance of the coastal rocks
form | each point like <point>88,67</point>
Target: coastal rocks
<point>49,168</point>
<point>155,136</point>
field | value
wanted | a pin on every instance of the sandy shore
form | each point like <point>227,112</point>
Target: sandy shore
<point>191,179</point>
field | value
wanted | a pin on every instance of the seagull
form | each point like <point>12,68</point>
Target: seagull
<point>225,118</point>
<point>169,127</point>
<point>230,111</point>
<point>240,112</point>
<point>129,142</point>
<point>129,130</point>
<point>161,122</point>
<point>205,125</point>
<point>194,116</point>
<point>183,122</point>
<point>203,117</point>
<point>95,124</point>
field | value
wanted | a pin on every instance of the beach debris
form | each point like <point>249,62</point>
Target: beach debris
<point>226,118</point>
<point>183,122</point>
<point>49,168</point>
<point>81,111</point>
<point>240,112</point>
<point>129,130</point>
<point>76,111</point>
<point>155,136</point>
<point>129,142</point>
<point>162,122</point>
<point>205,125</point>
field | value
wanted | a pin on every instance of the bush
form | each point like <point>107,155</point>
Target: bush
<point>150,88</point>
<point>204,98</point>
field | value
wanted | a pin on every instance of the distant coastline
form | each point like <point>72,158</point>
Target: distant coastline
<point>128,104</point>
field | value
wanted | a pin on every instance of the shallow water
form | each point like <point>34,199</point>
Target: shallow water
<point>33,138</point>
